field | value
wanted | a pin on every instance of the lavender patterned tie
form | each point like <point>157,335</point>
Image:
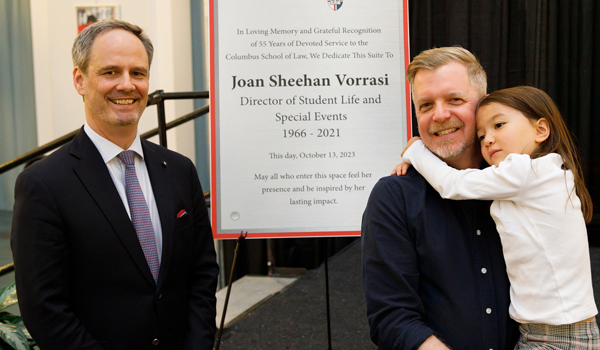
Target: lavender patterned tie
<point>140,215</point>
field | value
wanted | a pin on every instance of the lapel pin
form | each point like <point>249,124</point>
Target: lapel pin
<point>164,164</point>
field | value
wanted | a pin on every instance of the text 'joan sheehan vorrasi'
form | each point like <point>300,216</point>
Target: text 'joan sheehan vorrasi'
<point>277,80</point>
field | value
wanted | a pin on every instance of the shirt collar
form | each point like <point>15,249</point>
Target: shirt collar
<point>109,150</point>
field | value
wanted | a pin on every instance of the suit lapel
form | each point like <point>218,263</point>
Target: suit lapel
<point>158,169</point>
<point>94,175</point>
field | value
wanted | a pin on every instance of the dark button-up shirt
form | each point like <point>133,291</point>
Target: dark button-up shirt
<point>433,266</point>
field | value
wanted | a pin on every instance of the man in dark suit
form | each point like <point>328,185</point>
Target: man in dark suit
<point>113,249</point>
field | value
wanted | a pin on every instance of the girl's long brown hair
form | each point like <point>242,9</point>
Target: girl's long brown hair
<point>536,104</point>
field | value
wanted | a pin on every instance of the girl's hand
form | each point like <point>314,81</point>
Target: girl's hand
<point>410,142</point>
<point>401,169</point>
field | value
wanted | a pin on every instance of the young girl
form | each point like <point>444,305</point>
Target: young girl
<point>540,206</point>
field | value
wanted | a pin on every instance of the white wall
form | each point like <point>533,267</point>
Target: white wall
<point>58,106</point>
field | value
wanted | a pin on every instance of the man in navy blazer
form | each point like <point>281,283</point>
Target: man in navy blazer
<point>82,277</point>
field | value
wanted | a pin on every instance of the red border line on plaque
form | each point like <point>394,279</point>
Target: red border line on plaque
<point>406,62</point>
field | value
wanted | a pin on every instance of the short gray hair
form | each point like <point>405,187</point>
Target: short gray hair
<point>434,58</point>
<point>82,47</point>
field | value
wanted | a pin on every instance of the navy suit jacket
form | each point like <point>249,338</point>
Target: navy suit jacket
<point>82,279</point>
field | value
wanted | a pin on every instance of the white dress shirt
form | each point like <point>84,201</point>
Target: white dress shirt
<point>116,167</point>
<point>539,219</point>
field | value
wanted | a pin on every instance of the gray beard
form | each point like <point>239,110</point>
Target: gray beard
<point>449,149</point>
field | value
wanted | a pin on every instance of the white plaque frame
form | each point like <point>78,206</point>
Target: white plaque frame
<point>309,108</point>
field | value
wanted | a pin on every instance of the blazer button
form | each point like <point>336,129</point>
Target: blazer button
<point>159,295</point>
<point>156,341</point>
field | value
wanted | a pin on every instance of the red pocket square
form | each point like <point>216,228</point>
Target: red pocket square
<point>181,213</point>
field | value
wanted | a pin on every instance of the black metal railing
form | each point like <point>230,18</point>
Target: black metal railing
<point>157,98</point>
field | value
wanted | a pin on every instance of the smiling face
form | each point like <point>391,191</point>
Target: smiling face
<point>115,87</point>
<point>445,103</point>
<point>503,130</point>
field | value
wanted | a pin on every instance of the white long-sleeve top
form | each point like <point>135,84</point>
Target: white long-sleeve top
<point>541,226</point>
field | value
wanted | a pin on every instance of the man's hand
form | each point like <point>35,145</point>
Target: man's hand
<point>433,343</point>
